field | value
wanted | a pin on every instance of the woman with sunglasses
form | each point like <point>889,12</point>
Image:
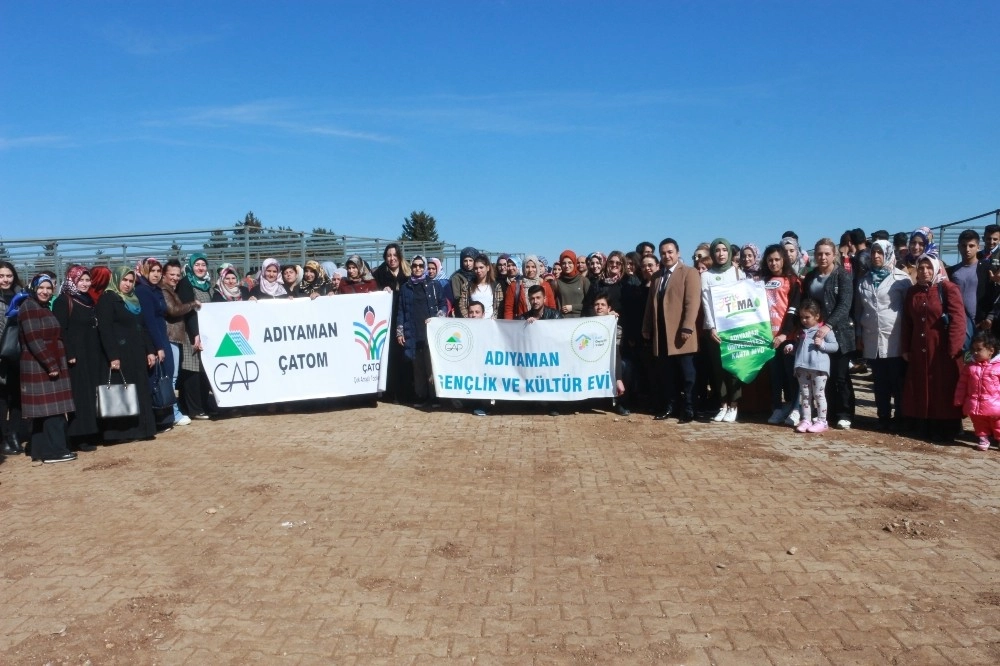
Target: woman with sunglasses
<point>609,283</point>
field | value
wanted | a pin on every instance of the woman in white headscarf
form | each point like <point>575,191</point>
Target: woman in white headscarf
<point>933,334</point>
<point>879,303</point>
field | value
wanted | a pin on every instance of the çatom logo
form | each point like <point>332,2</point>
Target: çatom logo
<point>237,341</point>
<point>590,341</point>
<point>371,335</point>
<point>454,341</point>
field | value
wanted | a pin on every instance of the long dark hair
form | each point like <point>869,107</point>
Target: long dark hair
<point>786,267</point>
<point>17,280</point>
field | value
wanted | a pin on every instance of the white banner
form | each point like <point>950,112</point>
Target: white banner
<point>561,359</point>
<point>279,350</point>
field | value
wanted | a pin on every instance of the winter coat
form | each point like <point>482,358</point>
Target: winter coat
<point>177,311</point>
<point>978,390</point>
<point>810,357</point>
<point>838,298</point>
<point>676,310</point>
<point>359,287</point>
<point>547,314</point>
<point>515,302</point>
<point>410,323</point>
<point>42,352</point>
<point>154,311</point>
<point>877,312</point>
<point>933,349</point>
<point>463,300</point>
<point>571,291</point>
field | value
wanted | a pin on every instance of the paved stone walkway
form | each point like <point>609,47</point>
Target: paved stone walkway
<point>393,536</point>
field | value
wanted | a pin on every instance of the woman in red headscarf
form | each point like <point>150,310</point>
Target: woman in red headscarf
<point>571,287</point>
<point>100,277</point>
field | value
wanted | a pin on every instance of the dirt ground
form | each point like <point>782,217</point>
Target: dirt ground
<point>388,535</point>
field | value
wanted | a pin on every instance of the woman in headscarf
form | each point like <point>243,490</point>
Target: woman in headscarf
<point>10,392</point>
<point>227,287</point>
<point>572,287</point>
<point>269,284</point>
<point>609,282</point>
<point>750,260</point>
<point>77,315</point>
<point>128,354</point>
<point>933,334</point>
<point>359,279</point>
<point>515,303</point>
<point>336,279</point>
<point>192,385</point>
<point>833,288</point>
<point>100,277</point>
<point>154,312</point>
<point>419,300</point>
<point>798,260</point>
<point>46,393</point>
<point>880,298</point>
<point>920,240</point>
<point>723,272</point>
<point>313,283</point>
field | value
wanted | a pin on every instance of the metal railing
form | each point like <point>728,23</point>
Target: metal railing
<point>244,247</point>
<point>946,235</point>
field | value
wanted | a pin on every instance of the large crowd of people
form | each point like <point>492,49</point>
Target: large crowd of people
<point>881,304</point>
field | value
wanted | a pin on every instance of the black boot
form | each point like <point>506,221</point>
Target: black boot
<point>10,445</point>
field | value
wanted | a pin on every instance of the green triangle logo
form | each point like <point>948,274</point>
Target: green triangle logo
<point>228,348</point>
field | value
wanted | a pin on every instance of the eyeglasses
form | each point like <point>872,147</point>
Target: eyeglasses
<point>614,262</point>
<point>416,265</point>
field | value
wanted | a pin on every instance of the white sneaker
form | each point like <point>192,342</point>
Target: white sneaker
<point>793,418</point>
<point>721,415</point>
<point>730,416</point>
<point>777,416</point>
<point>183,420</point>
<point>844,424</point>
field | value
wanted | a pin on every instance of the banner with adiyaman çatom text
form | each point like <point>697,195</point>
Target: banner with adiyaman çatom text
<point>743,323</point>
<point>554,360</point>
<point>260,352</point>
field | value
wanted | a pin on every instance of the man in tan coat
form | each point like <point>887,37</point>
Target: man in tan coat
<point>670,324</point>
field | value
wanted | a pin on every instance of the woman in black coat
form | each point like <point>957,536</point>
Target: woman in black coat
<point>10,373</point>
<point>77,315</point>
<point>129,349</point>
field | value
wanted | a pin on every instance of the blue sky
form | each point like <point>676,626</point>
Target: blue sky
<point>521,126</point>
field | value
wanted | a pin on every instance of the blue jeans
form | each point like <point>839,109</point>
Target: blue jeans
<point>175,351</point>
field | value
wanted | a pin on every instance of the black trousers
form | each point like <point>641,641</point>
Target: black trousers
<point>677,378</point>
<point>48,437</point>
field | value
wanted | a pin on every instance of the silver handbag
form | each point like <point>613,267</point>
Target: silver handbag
<point>115,401</point>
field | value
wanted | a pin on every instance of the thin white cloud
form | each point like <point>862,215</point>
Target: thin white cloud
<point>138,42</point>
<point>282,115</point>
<point>46,140</point>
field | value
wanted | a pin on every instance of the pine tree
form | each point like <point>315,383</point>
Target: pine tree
<point>420,227</point>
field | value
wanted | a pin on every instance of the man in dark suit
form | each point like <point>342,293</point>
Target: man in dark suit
<point>670,324</point>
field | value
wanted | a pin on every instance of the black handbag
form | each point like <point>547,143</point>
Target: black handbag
<point>10,342</point>
<point>162,387</point>
<point>117,400</point>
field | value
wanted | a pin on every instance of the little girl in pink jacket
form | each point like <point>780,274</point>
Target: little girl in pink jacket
<point>978,390</point>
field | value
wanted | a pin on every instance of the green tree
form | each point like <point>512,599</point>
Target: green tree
<point>251,222</point>
<point>420,227</point>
